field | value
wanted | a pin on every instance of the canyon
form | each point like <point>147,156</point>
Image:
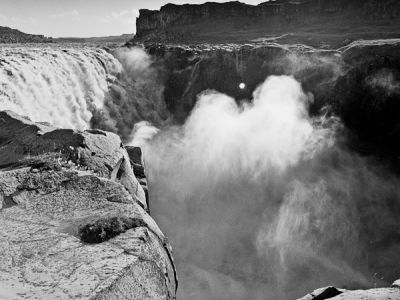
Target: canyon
<point>345,56</point>
<point>263,140</point>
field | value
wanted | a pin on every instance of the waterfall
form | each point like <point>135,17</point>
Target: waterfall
<point>57,84</point>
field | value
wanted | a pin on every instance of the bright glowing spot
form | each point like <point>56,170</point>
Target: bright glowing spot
<point>242,86</point>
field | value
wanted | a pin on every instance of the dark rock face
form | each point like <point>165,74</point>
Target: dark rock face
<point>236,21</point>
<point>367,96</point>
<point>189,71</point>
<point>359,83</point>
<point>104,229</point>
<point>137,162</point>
<point>328,293</point>
<point>9,36</point>
<point>73,218</point>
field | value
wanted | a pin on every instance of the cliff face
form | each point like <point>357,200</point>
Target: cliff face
<point>73,217</point>
<point>10,36</point>
<point>360,82</point>
<point>239,22</point>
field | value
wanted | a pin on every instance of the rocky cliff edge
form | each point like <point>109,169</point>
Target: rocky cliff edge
<point>73,217</point>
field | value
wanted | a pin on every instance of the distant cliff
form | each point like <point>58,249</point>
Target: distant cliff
<point>239,22</point>
<point>10,36</point>
<point>97,40</point>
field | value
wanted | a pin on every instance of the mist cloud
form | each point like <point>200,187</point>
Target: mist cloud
<point>260,200</point>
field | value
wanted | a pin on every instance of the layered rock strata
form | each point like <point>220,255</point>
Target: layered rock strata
<point>311,21</point>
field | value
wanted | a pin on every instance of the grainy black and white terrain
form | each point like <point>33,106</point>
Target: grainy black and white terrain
<point>268,155</point>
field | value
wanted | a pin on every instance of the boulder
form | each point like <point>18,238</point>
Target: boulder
<point>96,150</point>
<point>74,220</point>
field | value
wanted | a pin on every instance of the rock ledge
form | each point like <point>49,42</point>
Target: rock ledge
<point>73,218</point>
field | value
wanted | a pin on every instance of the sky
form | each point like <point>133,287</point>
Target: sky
<point>79,18</point>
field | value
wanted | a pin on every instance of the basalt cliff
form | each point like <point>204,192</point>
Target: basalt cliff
<point>314,22</point>
<point>360,82</point>
<point>75,217</point>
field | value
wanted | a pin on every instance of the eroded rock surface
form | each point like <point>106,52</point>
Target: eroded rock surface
<point>73,218</point>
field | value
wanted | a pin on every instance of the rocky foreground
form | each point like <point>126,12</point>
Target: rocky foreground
<point>74,217</point>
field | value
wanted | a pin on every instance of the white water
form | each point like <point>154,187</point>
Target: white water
<point>258,199</point>
<point>261,201</point>
<point>62,85</point>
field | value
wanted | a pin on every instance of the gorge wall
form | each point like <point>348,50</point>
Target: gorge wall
<point>239,22</point>
<point>277,215</point>
<point>359,82</point>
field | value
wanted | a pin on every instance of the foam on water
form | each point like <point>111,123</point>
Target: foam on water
<point>62,85</point>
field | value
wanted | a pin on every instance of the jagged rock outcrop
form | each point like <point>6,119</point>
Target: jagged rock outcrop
<point>312,21</point>
<point>73,218</point>
<point>11,36</point>
<point>137,162</point>
<point>336,294</point>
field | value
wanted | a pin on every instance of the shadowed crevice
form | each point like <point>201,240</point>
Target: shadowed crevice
<point>106,228</point>
<point>328,293</point>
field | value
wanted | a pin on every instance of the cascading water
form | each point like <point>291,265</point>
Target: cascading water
<point>260,199</point>
<point>79,87</point>
<point>59,85</point>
